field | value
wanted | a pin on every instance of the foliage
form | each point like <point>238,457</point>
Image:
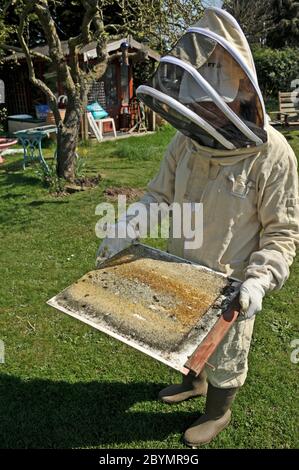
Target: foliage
<point>80,167</point>
<point>51,180</point>
<point>66,14</point>
<point>49,177</point>
<point>285,18</point>
<point>160,23</point>
<point>52,18</point>
<point>253,17</point>
<point>276,69</point>
<point>274,23</point>
<point>3,117</point>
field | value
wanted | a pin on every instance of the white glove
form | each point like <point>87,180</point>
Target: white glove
<point>112,244</point>
<point>128,229</point>
<point>251,297</point>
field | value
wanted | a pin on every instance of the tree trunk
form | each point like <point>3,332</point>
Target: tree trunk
<point>67,140</point>
<point>66,151</point>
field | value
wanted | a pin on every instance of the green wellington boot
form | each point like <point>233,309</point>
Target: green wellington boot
<point>217,417</point>
<point>191,386</point>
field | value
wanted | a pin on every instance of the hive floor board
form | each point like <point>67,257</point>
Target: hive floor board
<point>153,301</point>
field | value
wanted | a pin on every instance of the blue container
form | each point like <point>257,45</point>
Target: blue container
<point>41,111</point>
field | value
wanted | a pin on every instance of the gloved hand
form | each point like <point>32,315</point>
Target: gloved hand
<point>112,244</point>
<point>251,297</point>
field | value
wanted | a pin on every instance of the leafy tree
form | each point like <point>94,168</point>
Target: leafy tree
<point>276,69</point>
<point>160,22</point>
<point>285,24</point>
<point>5,30</point>
<point>274,23</point>
<point>255,18</point>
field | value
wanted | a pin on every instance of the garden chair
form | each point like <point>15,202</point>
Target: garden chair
<point>93,125</point>
<point>288,114</point>
<point>100,123</point>
<point>96,126</point>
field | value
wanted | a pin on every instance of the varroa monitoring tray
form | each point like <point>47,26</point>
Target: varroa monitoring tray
<point>162,305</point>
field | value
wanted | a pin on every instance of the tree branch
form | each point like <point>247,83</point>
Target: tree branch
<point>7,5</point>
<point>42,11</point>
<point>39,83</point>
<point>100,35</point>
<point>33,54</point>
<point>77,42</point>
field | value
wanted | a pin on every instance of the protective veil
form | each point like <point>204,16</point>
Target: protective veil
<point>206,89</point>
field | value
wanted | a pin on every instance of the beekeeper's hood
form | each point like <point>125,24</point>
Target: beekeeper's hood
<point>207,87</point>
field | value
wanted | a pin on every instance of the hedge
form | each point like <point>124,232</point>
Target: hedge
<point>276,69</point>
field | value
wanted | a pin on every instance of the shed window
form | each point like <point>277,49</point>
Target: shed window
<point>111,86</point>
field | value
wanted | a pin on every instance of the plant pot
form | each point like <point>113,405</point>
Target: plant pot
<point>50,116</point>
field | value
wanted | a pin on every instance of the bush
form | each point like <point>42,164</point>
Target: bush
<point>49,177</point>
<point>3,118</point>
<point>276,69</point>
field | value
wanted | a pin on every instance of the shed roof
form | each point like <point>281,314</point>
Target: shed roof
<point>89,51</point>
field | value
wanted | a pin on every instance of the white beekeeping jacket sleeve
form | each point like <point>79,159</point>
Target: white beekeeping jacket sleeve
<point>278,211</point>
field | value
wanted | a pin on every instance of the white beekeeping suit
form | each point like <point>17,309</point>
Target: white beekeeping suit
<point>226,156</point>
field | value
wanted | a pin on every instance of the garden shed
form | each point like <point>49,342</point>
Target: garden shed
<point>115,91</point>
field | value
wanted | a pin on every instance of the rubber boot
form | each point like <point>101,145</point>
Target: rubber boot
<point>190,387</point>
<point>217,417</point>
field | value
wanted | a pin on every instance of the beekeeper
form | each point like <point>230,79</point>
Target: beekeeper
<point>226,156</point>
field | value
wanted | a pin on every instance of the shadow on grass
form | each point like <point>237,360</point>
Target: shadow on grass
<point>41,203</point>
<point>15,165</point>
<point>45,414</point>
<point>13,196</point>
<point>119,166</point>
<point>18,196</point>
<point>20,179</point>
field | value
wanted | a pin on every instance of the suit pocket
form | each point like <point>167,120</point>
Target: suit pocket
<point>292,204</point>
<point>240,187</point>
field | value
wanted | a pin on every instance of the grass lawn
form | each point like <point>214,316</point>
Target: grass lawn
<point>64,384</point>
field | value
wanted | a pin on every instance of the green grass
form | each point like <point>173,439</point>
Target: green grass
<point>64,384</point>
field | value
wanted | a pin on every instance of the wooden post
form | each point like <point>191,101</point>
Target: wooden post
<point>151,120</point>
<point>84,126</point>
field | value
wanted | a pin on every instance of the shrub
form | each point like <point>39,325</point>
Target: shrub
<point>49,177</point>
<point>276,69</point>
<point>3,118</point>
